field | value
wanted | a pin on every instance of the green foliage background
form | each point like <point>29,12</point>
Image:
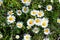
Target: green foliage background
<point>9,31</point>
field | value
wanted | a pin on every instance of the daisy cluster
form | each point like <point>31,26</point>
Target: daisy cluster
<point>39,20</point>
<point>11,18</point>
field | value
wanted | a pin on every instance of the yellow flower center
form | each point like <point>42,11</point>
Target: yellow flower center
<point>34,12</point>
<point>37,20</point>
<point>49,7</point>
<point>19,12</point>
<point>40,14</point>
<point>44,23</point>
<point>30,22</point>
<point>27,37</point>
<point>25,0</point>
<point>25,9</point>
<point>11,18</point>
<point>46,30</point>
<point>58,20</point>
<point>35,30</point>
<point>19,25</point>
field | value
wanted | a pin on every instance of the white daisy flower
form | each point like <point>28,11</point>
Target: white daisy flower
<point>58,20</point>
<point>19,24</point>
<point>18,12</point>
<point>34,12</point>
<point>1,2</point>
<point>37,21</point>
<point>1,36</point>
<point>11,19</point>
<point>28,27</point>
<point>30,22</point>
<point>39,6</point>
<point>17,36</point>
<point>26,2</point>
<point>40,13</point>
<point>49,7</point>
<point>52,1</point>
<point>27,37</point>
<point>44,22</point>
<point>46,31</point>
<point>36,30</point>
<point>46,39</point>
<point>10,12</point>
<point>25,9</point>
